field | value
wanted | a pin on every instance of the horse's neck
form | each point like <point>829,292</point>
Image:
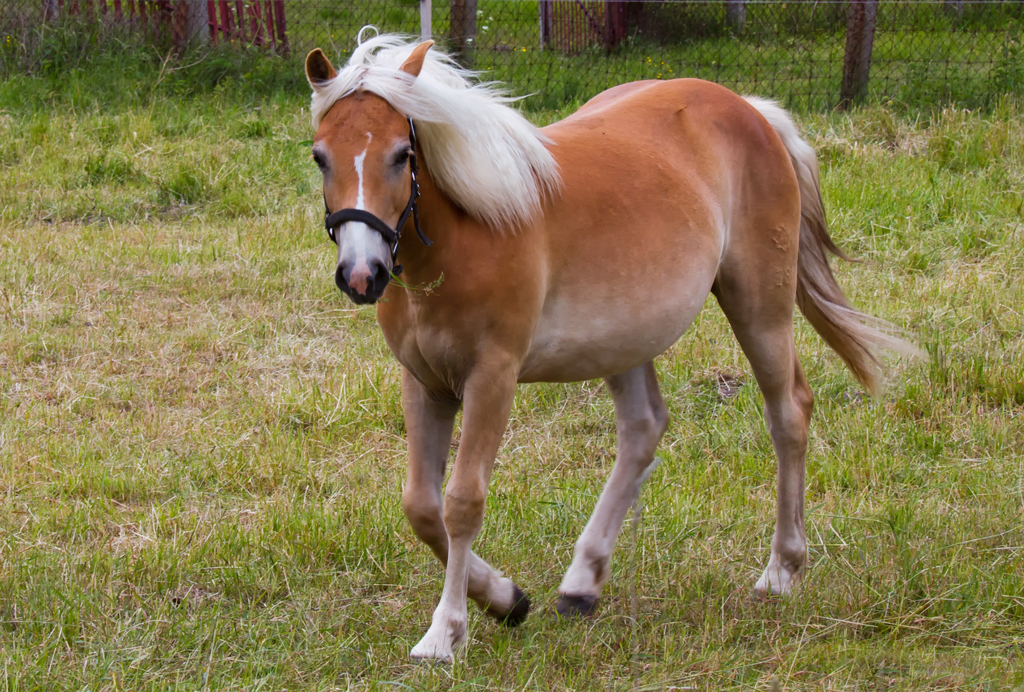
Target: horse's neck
<point>466,253</point>
<point>439,219</point>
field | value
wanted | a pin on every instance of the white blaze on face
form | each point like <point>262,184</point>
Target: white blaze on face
<point>358,163</point>
<point>358,237</point>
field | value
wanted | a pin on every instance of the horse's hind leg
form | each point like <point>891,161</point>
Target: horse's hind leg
<point>641,419</point>
<point>759,300</point>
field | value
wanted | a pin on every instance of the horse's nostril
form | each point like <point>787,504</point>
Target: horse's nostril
<point>339,279</point>
<point>381,278</point>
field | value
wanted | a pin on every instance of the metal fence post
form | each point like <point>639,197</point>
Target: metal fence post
<point>463,30</point>
<point>426,31</point>
<point>736,14</point>
<point>860,37</point>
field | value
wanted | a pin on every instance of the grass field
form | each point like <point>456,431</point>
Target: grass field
<point>201,442</point>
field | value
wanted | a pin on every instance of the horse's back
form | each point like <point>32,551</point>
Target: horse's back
<point>645,107</point>
<point>656,176</point>
<point>726,164</point>
<point>685,152</point>
<point>702,132</point>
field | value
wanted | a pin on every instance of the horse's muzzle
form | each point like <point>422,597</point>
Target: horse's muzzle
<point>363,284</point>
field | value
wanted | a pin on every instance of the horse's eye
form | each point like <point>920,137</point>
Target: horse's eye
<point>319,160</point>
<point>402,158</point>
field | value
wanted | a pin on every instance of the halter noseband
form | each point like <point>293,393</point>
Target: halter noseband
<point>390,235</point>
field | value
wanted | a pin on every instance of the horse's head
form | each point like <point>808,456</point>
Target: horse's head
<point>365,152</point>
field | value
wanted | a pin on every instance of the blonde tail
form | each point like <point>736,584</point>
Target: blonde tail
<point>856,337</point>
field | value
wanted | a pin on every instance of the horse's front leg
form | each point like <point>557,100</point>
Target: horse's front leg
<point>487,400</point>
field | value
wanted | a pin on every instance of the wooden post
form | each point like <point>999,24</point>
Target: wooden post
<point>227,27</point>
<point>616,25</point>
<point>736,14</point>
<point>545,23</point>
<point>256,24</point>
<point>860,37</point>
<point>426,30</point>
<point>268,22</point>
<point>463,31</point>
<point>240,14</point>
<point>179,24</point>
<point>211,18</point>
<point>190,23</point>
<point>282,28</point>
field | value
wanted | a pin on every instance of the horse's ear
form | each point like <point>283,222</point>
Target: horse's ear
<point>318,69</point>
<point>414,63</point>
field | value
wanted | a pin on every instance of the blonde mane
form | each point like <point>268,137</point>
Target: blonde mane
<point>481,152</point>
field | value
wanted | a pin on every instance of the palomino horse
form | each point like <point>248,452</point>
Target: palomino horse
<point>578,251</point>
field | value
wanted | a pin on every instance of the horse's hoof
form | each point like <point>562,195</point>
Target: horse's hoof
<point>576,606</point>
<point>516,615</point>
<point>776,582</point>
<point>425,653</point>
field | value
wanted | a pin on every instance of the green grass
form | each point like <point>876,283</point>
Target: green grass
<point>202,450</point>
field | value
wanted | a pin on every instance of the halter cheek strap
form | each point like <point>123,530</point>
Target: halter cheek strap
<point>390,235</point>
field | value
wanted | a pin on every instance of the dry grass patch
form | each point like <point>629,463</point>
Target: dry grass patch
<point>202,447</point>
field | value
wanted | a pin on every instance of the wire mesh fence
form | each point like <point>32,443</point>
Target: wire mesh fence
<point>810,54</point>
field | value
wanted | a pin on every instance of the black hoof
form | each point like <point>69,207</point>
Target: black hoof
<point>576,606</point>
<point>517,613</point>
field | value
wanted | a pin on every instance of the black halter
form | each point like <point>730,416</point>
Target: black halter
<point>391,235</point>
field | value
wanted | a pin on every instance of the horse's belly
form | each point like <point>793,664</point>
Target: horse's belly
<point>584,338</point>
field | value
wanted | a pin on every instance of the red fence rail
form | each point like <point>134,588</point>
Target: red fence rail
<point>256,22</point>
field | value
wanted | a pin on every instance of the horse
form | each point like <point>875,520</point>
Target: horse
<point>578,251</point>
